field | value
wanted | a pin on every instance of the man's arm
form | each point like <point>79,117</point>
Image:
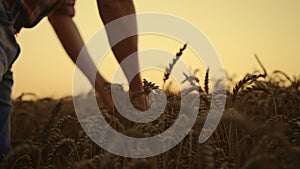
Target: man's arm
<point>71,40</point>
<point>111,10</point>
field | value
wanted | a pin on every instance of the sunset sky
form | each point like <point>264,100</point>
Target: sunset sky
<point>236,28</point>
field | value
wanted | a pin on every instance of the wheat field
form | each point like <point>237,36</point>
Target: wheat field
<point>259,129</point>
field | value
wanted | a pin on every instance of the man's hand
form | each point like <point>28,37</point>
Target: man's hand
<point>140,100</point>
<point>103,94</point>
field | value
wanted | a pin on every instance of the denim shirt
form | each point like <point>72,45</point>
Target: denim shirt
<point>9,49</point>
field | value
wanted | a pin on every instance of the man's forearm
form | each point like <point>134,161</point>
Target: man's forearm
<point>110,11</point>
<point>71,40</point>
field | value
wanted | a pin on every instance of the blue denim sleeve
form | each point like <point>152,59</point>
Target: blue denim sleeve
<point>9,49</point>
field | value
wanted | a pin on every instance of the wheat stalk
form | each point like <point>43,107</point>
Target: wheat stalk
<point>284,74</point>
<point>24,151</point>
<point>55,148</point>
<point>26,157</point>
<point>206,81</point>
<point>261,65</point>
<point>171,65</point>
<point>47,127</point>
<point>248,79</point>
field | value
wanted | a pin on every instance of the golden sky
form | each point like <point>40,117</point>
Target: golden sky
<point>236,28</point>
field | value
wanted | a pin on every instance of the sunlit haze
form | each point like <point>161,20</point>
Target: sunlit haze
<point>237,29</point>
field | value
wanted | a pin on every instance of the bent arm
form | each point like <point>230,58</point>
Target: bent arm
<point>111,10</point>
<point>72,42</point>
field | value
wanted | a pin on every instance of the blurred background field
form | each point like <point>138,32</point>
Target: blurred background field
<point>260,129</point>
